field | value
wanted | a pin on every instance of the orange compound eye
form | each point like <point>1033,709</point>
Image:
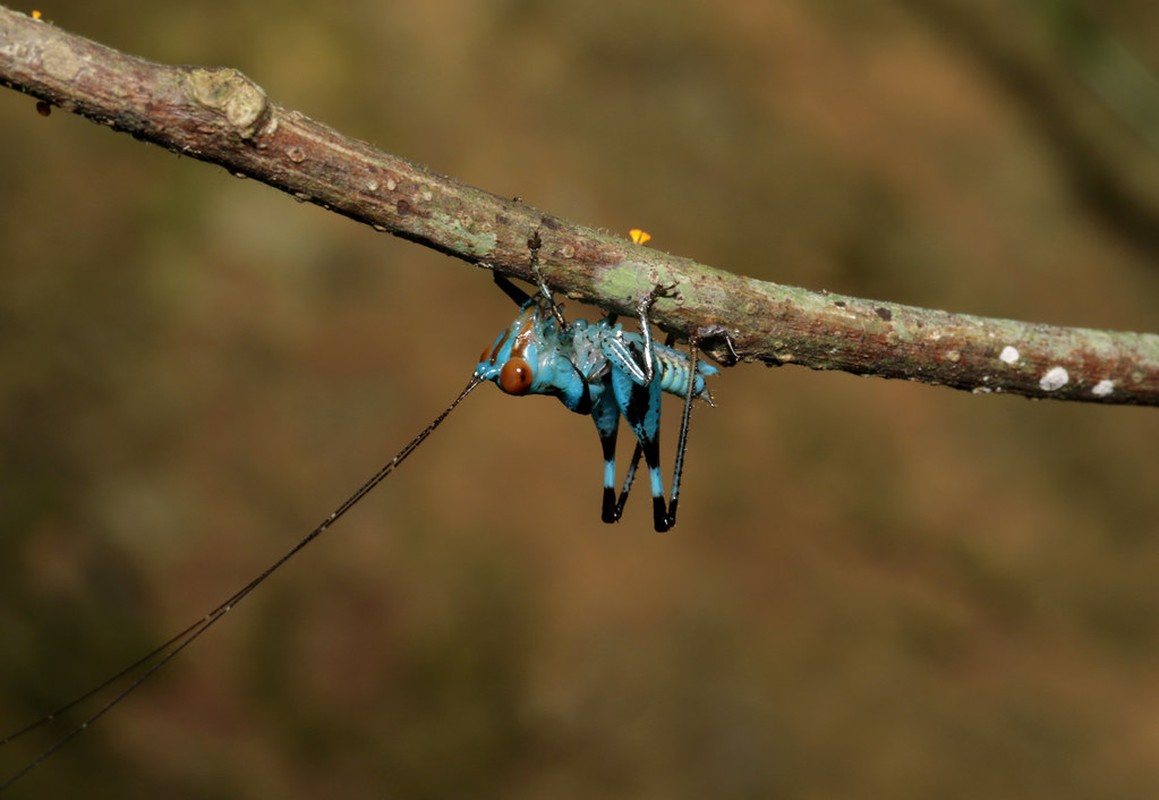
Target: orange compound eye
<point>515,377</point>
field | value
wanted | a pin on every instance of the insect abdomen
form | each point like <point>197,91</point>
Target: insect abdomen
<point>672,366</point>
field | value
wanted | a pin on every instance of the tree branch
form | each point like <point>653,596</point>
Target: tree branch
<point>220,116</point>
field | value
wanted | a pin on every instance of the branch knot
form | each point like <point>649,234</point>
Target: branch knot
<point>228,91</point>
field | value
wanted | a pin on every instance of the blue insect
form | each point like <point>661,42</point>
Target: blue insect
<point>600,369</point>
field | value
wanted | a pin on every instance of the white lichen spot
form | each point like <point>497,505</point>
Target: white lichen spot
<point>1009,354</point>
<point>981,390</point>
<point>1103,388</point>
<point>391,185</point>
<point>1055,378</point>
<point>372,185</point>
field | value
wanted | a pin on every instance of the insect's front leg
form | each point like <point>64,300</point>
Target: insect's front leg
<point>534,243</point>
<point>510,289</point>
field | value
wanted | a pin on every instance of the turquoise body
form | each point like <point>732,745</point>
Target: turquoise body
<point>599,369</point>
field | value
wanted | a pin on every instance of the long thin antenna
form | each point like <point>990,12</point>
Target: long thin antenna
<point>165,653</point>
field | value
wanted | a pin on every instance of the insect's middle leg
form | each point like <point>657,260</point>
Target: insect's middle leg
<point>640,405</point>
<point>643,309</point>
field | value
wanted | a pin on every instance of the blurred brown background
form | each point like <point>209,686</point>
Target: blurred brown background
<point>876,589</point>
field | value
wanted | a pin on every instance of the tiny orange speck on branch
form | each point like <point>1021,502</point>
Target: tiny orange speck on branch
<point>639,236</point>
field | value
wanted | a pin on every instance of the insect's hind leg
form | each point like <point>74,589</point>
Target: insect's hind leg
<point>648,436</point>
<point>685,423</point>
<point>647,427</point>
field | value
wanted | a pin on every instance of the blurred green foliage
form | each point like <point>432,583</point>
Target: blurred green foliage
<point>875,590</point>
